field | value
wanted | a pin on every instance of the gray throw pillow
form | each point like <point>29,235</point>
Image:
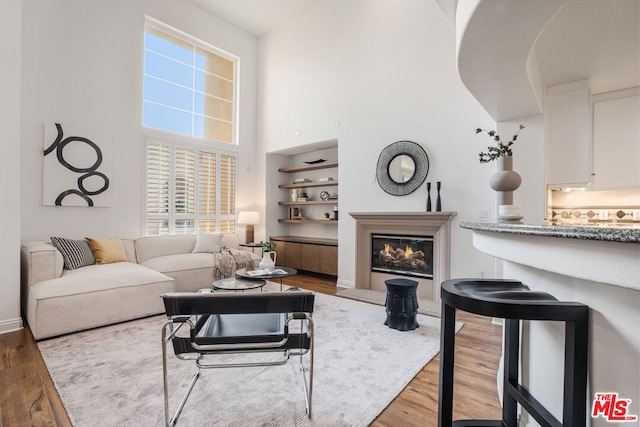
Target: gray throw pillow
<point>75,253</point>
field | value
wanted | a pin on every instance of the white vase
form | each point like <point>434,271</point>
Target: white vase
<point>505,181</point>
<point>267,261</point>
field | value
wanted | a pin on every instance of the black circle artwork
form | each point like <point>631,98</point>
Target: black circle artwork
<point>59,144</point>
<point>421,168</point>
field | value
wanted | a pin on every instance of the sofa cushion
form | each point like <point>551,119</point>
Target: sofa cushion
<point>189,271</point>
<point>195,271</point>
<point>180,262</point>
<point>129,249</point>
<point>157,246</point>
<point>97,277</point>
<point>95,295</point>
<point>107,250</point>
<point>75,253</point>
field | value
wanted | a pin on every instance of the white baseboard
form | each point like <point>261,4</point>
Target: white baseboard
<point>497,321</point>
<point>345,284</point>
<point>11,325</point>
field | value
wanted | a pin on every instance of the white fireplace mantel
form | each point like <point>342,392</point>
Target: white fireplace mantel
<point>436,224</point>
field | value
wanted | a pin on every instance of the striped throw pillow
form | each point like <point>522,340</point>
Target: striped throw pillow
<point>76,253</point>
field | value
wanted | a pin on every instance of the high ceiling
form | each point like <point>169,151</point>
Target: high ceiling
<point>256,17</point>
<point>595,39</point>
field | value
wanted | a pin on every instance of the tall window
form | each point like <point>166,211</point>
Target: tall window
<point>189,189</point>
<point>189,88</point>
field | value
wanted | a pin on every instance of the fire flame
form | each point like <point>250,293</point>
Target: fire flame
<point>408,251</point>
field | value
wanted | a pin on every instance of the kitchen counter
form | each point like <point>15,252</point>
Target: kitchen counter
<point>623,233</point>
<point>597,266</point>
<point>605,255</point>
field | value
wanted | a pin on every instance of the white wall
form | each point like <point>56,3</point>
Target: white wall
<point>387,71</point>
<point>10,26</point>
<point>82,65</point>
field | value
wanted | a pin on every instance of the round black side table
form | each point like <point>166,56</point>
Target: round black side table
<point>401,304</point>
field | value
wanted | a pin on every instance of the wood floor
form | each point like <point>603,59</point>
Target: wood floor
<point>28,397</point>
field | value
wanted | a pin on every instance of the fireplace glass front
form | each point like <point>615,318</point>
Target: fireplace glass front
<point>402,255</point>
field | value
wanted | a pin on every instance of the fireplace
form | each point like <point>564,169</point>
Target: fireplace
<point>402,255</point>
<point>428,232</point>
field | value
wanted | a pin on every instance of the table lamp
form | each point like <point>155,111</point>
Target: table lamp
<point>248,218</point>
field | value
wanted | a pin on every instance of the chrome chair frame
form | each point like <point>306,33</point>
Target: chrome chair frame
<point>197,310</point>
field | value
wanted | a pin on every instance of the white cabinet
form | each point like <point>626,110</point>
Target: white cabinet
<point>568,148</point>
<point>616,139</point>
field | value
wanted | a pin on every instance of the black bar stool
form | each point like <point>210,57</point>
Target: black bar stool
<point>513,301</point>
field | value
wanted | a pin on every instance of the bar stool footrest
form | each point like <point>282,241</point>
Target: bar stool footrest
<point>531,405</point>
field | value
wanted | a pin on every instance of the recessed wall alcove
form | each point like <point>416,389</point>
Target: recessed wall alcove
<point>369,285</point>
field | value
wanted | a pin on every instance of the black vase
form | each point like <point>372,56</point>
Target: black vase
<point>438,200</point>
<point>428,197</point>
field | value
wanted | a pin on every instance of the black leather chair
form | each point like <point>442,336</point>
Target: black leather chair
<point>238,323</point>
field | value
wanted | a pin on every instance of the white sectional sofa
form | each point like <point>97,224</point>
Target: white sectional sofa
<point>57,301</point>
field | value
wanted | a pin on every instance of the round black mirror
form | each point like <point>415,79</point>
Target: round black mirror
<point>402,168</point>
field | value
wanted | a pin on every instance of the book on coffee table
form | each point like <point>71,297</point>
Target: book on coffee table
<point>265,272</point>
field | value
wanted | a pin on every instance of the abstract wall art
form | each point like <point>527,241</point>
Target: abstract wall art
<point>76,167</point>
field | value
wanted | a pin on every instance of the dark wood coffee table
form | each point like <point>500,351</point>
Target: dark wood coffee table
<point>276,272</point>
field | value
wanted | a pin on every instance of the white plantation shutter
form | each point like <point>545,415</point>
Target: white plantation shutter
<point>181,201</point>
<point>227,192</point>
<point>227,184</point>
<point>207,183</point>
<point>184,190</point>
<point>158,189</point>
<point>217,186</point>
<point>184,181</point>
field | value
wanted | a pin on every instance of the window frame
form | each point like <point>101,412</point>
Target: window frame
<point>180,140</point>
<point>201,44</point>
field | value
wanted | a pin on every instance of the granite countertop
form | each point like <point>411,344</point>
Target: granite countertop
<point>548,229</point>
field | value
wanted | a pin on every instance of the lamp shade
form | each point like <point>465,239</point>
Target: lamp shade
<point>248,217</point>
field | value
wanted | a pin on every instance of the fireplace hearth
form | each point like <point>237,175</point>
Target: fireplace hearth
<point>402,255</point>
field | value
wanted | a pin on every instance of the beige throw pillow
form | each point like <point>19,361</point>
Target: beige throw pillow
<point>107,250</point>
<point>207,242</point>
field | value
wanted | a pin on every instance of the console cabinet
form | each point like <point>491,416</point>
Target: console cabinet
<point>308,254</point>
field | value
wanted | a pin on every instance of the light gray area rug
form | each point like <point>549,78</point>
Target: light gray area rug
<point>112,376</point>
